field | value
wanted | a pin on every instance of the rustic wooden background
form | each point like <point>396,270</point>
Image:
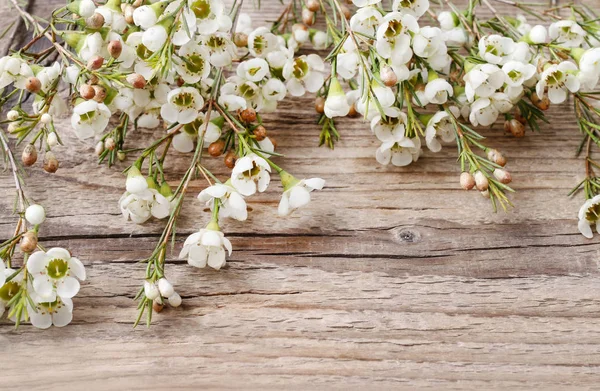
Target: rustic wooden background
<point>393,278</point>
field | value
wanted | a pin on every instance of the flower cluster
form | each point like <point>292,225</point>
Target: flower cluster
<point>206,75</point>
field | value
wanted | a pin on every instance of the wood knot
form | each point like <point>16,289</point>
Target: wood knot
<point>408,235</point>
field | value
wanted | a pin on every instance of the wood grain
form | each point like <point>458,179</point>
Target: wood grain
<point>393,278</point>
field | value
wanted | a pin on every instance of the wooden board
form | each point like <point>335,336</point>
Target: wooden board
<point>393,278</point>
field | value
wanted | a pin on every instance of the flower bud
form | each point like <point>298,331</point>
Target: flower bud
<point>29,156</point>
<point>13,126</point>
<point>538,34</point>
<point>135,181</point>
<point>87,92</point>
<point>260,133</point>
<point>50,162</point>
<point>52,139</point>
<point>467,181</point>
<point>165,287</point>
<point>502,176</point>
<point>230,159</point>
<point>35,214</point>
<point>136,80</point>
<point>110,143</point>
<point>46,118</point>
<point>83,8</point>
<point>485,193</point>
<point>216,149</point>
<point>115,48</point>
<point>12,115</point>
<point>388,76</point>
<point>353,112</point>
<point>29,242</point>
<point>121,156</point>
<point>320,105</point>
<point>175,300</point>
<point>516,128</point>
<point>137,3</point>
<point>150,290</point>
<point>540,103</point>
<point>300,33</point>
<point>519,117</point>
<point>95,21</point>
<point>308,17</point>
<point>248,115</point>
<point>313,5</point>
<point>99,148</point>
<point>157,305</point>
<point>346,11</point>
<point>128,13</point>
<point>99,93</point>
<point>33,84</point>
<point>95,62</point>
<point>481,181</point>
<point>240,40</point>
<point>495,156</point>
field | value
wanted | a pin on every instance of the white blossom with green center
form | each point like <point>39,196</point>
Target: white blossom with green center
<point>496,49</point>
<point>589,215</point>
<point>183,105</point>
<point>559,79</point>
<point>441,127</point>
<point>206,247</point>
<point>47,313</point>
<point>415,8</point>
<point>393,39</point>
<point>250,173</point>
<point>193,63</point>
<point>90,118</point>
<point>304,74</point>
<point>55,274</point>
<point>399,153</point>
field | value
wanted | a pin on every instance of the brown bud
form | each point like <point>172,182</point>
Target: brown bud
<point>95,21</point>
<point>320,105</point>
<point>216,149</point>
<point>240,40</point>
<point>137,3</point>
<point>230,159</point>
<point>516,128</point>
<point>157,306</point>
<point>180,82</point>
<point>540,103</point>
<point>248,115</point>
<point>352,112</point>
<point>388,76</point>
<point>519,116</point>
<point>495,156</point>
<point>29,242</point>
<point>313,5</point>
<point>481,181</point>
<point>308,17</point>
<point>128,13</point>
<point>110,143</point>
<point>260,133</point>
<point>99,93</point>
<point>467,181</point>
<point>33,84</point>
<point>99,148</point>
<point>93,80</point>
<point>95,62</point>
<point>115,47</point>
<point>136,80</point>
<point>50,162</point>
<point>346,11</point>
<point>29,156</point>
<point>502,176</point>
<point>87,92</point>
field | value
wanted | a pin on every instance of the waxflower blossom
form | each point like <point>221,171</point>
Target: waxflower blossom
<point>589,215</point>
<point>183,105</point>
<point>231,202</point>
<point>304,74</point>
<point>58,313</point>
<point>399,153</point>
<point>440,126</point>
<point>567,33</point>
<point>55,274</point>
<point>559,79</point>
<point>90,118</point>
<point>296,193</point>
<point>251,173</point>
<point>336,104</point>
<point>496,49</point>
<point>206,247</point>
<point>483,81</point>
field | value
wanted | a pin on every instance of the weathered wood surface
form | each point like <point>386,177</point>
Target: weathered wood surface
<point>392,279</point>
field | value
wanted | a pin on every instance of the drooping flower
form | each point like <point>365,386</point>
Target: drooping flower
<point>55,274</point>
<point>391,126</point>
<point>589,215</point>
<point>296,193</point>
<point>250,173</point>
<point>485,111</point>
<point>399,153</point>
<point>440,126</point>
<point>438,90</point>
<point>231,202</point>
<point>336,104</point>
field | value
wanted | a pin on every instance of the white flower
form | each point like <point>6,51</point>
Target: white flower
<point>440,125</point>
<point>47,313</point>
<point>231,203</point>
<point>589,215</point>
<point>83,8</point>
<point>415,8</point>
<point>183,105</point>
<point>429,43</point>
<point>251,173</point>
<point>517,73</point>
<point>538,34</point>
<point>589,66</point>
<point>391,127</point>
<point>35,214</point>
<point>496,49</point>
<point>567,33</point>
<point>139,207</point>
<point>296,193</point>
<point>399,153</point>
<point>304,74</point>
<point>55,273</point>
<point>210,16</point>
<point>135,183</point>
<point>90,118</point>
<point>155,37</point>
<point>393,39</point>
<point>336,104</point>
<point>559,79</point>
<point>483,81</point>
<point>181,35</point>
<point>146,16</point>
<point>261,42</point>
<point>347,64</point>
<point>448,20</point>
<point>320,40</point>
<point>165,287</point>
<point>14,70</point>
<point>220,47</point>
<point>151,290</point>
<point>485,111</point>
<point>254,70</point>
<point>438,90</point>
<point>184,140</point>
<point>206,247</point>
<point>364,21</point>
<point>364,3</point>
